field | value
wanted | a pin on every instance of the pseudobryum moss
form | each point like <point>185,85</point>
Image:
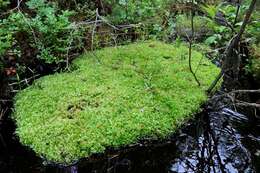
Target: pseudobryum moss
<point>115,97</point>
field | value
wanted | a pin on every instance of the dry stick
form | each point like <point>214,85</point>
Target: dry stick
<point>246,104</point>
<point>190,47</point>
<point>246,91</point>
<point>233,43</point>
<point>93,31</point>
<point>237,102</point>
<point>3,101</point>
<point>69,46</point>
<point>26,80</point>
<point>240,92</point>
<point>97,20</point>
<point>11,10</point>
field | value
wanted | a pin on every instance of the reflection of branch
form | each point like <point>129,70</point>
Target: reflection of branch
<point>202,157</point>
<point>2,113</point>
<point>211,152</point>
<point>215,147</point>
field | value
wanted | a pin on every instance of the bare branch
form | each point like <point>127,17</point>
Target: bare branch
<point>25,81</point>
<point>93,31</point>
<point>237,102</point>
<point>246,91</point>
<point>237,12</point>
<point>246,104</point>
<point>190,46</point>
<point>232,44</point>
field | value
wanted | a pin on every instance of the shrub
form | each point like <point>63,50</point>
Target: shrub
<point>6,38</point>
<point>131,11</point>
<point>224,14</point>
<point>47,32</point>
<point>115,97</point>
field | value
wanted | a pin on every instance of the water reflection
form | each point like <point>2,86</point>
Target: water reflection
<point>218,148</point>
<point>219,141</point>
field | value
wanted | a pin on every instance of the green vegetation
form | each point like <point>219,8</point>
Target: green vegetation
<point>227,22</point>
<point>254,65</point>
<point>113,98</point>
<point>202,26</point>
<point>49,35</point>
<point>134,11</point>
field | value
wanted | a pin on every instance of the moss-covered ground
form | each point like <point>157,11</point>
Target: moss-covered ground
<point>115,97</point>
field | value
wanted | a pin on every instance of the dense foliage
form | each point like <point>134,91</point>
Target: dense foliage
<point>49,34</point>
<point>115,97</point>
<point>54,31</point>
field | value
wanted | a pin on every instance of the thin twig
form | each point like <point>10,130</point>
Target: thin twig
<point>236,102</point>
<point>93,31</point>
<point>190,46</point>
<point>237,12</point>
<point>26,80</point>
<point>246,104</point>
<point>11,10</point>
<point>246,91</point>
<point>5,100</point>
<point>68,49</point>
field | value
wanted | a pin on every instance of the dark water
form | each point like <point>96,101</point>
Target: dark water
<point>219,140</point>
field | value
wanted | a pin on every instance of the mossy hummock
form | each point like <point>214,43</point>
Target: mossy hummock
<point>114,97</point>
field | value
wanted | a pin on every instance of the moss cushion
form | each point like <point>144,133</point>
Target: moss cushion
<point>114,97</point>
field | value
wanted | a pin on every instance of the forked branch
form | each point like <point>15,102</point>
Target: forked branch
<point>234,42</point>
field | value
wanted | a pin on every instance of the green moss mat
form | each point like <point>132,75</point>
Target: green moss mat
<point>114,97</point>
